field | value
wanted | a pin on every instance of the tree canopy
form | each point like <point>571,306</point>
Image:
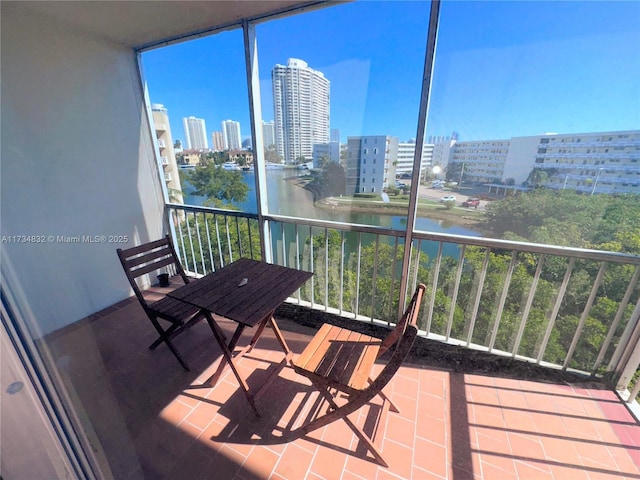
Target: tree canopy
<point>221,187</point>
<point>567,218</point>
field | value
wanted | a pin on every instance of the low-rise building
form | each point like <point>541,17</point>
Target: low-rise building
<point>371,163</point>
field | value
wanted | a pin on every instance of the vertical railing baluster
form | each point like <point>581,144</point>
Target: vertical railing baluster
<point>226,226</point>
<point>239,237</point>
<point>616,320</point>
<point>623,341</point>
<point>284,243</point>
<point>206,225</point>
<point>220,256</point>
<point>297,233</point>
<point>326,269</point>
<point>250,240</point>
<point>476,304</point>
<point>358,275</point>
<point>193,253</point>
<point>434,288</point>
<point>527,307</point>
<point>585,314</point>
<point>393,278</point>
<point>416,266</point>
<point>454,297</point>
<point>342,244</point>
<point>182,247</point>
<point>375,276</point>
<point>503,299</point>
<point>556,309</point>
<point>313,286</point>
<point>204,268</point>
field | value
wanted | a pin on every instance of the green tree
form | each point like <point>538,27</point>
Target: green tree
<point>221,187</point>
<point>537,177</point>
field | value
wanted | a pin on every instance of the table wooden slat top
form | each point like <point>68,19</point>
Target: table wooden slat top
<point>266,288</point>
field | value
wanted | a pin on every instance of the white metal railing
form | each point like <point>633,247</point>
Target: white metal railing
<point>537,303</point>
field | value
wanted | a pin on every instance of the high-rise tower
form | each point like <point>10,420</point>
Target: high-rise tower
<point>231,135</point>
<point>195,133</point>
<point>301,109</point>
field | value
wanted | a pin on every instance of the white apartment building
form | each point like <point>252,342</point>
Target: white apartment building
<point>478,161</point>
<point>371,163</point>
<point>167,153</point>
<point>268,133</point>
<point>231,135</point>
<point>301,109</point>
<point>406,153</point>
<point>601,162</point>
<point>596,162</point>
<point>195,133</point>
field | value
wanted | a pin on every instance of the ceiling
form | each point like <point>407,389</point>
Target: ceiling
<point>139,24</point>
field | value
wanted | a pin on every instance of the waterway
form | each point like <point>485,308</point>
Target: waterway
<point>285,198</point>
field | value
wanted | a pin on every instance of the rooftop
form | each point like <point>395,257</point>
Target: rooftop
<point>460,417</point>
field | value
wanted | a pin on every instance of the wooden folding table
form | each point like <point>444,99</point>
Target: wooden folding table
<point>247,292</point>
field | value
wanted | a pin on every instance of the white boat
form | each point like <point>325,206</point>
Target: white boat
<point>230,166</point>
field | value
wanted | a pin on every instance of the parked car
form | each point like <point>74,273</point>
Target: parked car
<point>400,184</point>
<point>471,202</point>
<point>448,198</point>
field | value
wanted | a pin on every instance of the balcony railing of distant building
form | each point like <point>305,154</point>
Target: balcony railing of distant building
<point>503,297</point>
<point>593,144</point>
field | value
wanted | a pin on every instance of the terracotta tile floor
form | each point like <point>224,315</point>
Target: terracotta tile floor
<point>150,419</point>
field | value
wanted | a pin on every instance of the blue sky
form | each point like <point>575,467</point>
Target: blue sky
<point>502,69</point>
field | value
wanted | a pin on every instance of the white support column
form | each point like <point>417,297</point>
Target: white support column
<point>255,112</point>
<point>430,54</point>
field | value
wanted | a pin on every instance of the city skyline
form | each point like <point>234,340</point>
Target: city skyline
<point>502,69</point>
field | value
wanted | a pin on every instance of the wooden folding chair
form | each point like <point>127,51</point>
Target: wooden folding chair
<point>151,257</point>
<point>339,360</point>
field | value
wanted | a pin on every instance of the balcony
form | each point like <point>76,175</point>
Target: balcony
<point>463,415</point>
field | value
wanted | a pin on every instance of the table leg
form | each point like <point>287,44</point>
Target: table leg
<point>228,359</point>
<point>285,348</point>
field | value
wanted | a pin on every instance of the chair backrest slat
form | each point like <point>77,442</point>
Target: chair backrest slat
<point>140,259</point>
<point>410,317</point>
<point>150,267</point>
<point>148,257</point>
<point>146,247</point>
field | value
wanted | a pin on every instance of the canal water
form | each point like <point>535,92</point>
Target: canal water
<point>285,198</point>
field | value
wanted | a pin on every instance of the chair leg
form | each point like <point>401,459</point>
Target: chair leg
<point>165,337</point>
<point>392,406</point>
<point>336,413</point>
<point>169,333</point>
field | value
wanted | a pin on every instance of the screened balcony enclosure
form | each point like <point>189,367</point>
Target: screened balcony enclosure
<point>528,354</point>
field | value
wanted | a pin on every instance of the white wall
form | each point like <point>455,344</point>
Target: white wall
<point>521,158</point>
<point>77,159</point>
